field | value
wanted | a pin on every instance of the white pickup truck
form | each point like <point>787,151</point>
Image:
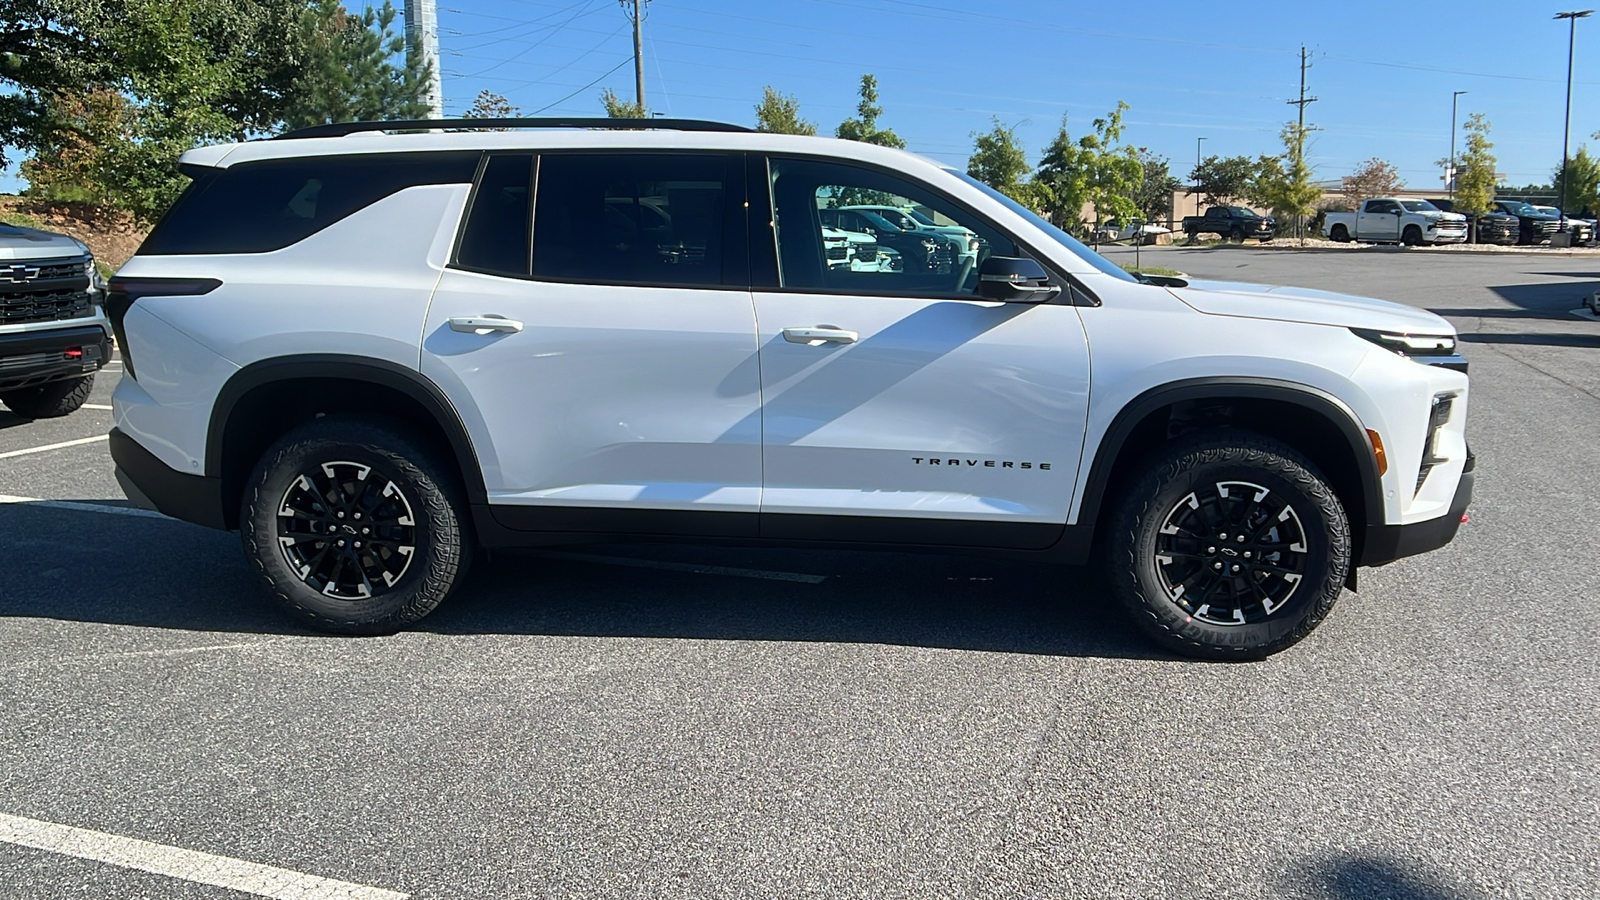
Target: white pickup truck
<point>1391,219</point>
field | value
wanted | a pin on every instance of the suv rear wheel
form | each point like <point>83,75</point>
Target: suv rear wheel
<point>354,527</point>
<point>49,401</point>
<point>1229,546</point>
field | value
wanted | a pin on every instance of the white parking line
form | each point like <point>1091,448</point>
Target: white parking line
<point>48,447</point>
<point>186,865</point>
<point>96,406</point>
<point>83,507</point>
<point>685,567</point>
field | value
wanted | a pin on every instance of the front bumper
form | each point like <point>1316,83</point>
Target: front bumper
<point>152,484</point>
<point>29,358</point>
<point>1387,543</point>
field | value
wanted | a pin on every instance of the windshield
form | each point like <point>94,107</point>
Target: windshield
<point>1518,209</point>
<point>879,222</point>
<point>1419,206</point>
<point>1241,211</point>
<point>921,219</point>
<point>1066,240</point>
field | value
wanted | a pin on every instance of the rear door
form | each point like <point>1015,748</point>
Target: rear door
<point>899,406</point>
<point>609,379</point>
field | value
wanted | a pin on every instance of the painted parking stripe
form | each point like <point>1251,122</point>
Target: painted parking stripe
<point>96,406</point>
<point>186,865</point>
<point>48,447</point>
<point>685,567</point>
<point>78,506</point>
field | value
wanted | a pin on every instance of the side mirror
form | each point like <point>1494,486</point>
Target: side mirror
<point>1014,280</point>
<point>1394,212</point>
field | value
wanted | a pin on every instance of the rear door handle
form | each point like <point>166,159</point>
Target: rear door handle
<point>485,324</point>
<point>820,334</point>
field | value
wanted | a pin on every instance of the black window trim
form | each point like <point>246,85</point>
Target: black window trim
<point>1073,291</point>
<point>735,164</point>
<point>454,261</point>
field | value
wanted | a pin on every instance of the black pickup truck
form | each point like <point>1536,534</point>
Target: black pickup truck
<point>1233,222</point>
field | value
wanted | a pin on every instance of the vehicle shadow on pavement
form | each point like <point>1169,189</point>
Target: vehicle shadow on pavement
<point>1366,878</point>
<point>1561,339</point>
<point>78,566</point>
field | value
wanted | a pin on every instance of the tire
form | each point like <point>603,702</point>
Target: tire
<point>1162,548</point>
<point>51,400</point>
<point>1340,233</point>
<point>1412,237</point>
<point>1236,235</point>
<point>410,496</point>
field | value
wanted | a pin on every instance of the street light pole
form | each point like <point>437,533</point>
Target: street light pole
<point>1566,126</point>
<point>1197,175</point>
<point>1450,174</point>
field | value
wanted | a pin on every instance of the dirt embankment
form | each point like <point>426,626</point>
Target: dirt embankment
<point>112,237</point>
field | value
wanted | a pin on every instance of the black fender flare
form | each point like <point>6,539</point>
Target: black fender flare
<point>1318,401</point>
<point>379,372</point>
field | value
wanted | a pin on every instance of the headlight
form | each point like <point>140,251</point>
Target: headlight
<point>1429,349</point>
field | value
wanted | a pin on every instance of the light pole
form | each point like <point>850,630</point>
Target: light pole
<point>1566,126</point>
<point>1197,175</point>
<point>1450,173</point>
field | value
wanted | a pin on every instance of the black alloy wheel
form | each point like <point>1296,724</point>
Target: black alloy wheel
<point>347,530</point>
<point>1229,545</point>
<point>1231,553</point>
<point>356,526</point>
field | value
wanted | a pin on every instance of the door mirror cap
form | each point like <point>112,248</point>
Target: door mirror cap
<point>1014,280</point>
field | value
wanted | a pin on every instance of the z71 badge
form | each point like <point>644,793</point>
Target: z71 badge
<point>986,463</point>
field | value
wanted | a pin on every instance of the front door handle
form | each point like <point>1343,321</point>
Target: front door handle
<point>820,334</point>
<point>485,324</point>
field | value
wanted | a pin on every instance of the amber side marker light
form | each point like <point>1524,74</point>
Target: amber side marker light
<point>1377,452</point>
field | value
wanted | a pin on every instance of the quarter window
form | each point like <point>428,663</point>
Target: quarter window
<point>844,229</point>
<point>632,219</point>
<point>257,207</point>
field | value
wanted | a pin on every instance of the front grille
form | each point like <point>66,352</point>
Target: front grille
<point>867,252</point>
<point>18,308</point>
<point>840,252</point>
<point>27,361</point>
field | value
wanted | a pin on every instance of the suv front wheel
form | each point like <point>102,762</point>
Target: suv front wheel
<point>1229,546</point>
<point>354,527</point>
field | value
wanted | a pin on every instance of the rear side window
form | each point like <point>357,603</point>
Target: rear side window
<point>262,206</point>
<point>636,219</point>
<point>495,239</point>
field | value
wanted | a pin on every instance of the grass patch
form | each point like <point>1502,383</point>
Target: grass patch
<point>22,220</point>
<point>1153,270</point>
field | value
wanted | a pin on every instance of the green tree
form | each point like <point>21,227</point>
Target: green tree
<point>780,114</point>
<point>1095,169</point>
<point>1373,178</point>
<point>1581,189</point>
<point>618,108</point>
<point>1475,180</point>
<point>1156,184</point>
<point>1283,183</point>
<point>864,127</point>
<point>999,161</point>
<point>1220,180</point>
<point>356,69</point>
<point>489,105</point>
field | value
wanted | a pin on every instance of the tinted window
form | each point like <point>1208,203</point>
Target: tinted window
<point>495,238</point>
<point>631,219</point>
<point>843,229</point>
<point>261,206</point>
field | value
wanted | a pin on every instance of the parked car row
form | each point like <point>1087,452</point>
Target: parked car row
<point>1427,222</point>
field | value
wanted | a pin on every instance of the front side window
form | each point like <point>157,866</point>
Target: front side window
<point>844,229</point>
<point>631,219</point>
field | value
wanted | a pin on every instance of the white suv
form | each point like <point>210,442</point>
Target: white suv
<point>371,352</point>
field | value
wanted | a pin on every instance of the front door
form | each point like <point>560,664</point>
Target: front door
<point>609,382</point>
<point>1379,221</point>
<point>898,406</point>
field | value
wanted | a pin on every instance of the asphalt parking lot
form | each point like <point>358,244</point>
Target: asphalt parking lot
<point>701,723</point>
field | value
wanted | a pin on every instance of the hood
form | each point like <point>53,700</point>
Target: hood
<point>1291,304</point>
<point>28,243</point>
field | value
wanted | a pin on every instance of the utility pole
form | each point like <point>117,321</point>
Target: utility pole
<point>1197,172</point>
<point>422,38</point>
<point>1300,129</point>
<point>1566,127</point>
<point>1450,173</point>
<point>638,49</point>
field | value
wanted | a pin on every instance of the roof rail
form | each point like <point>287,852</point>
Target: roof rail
<point>340,129</point>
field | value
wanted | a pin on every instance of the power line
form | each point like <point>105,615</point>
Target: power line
<point>582,89</point>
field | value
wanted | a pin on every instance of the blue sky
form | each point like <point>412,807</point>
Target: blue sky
<point>1383,72</point>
